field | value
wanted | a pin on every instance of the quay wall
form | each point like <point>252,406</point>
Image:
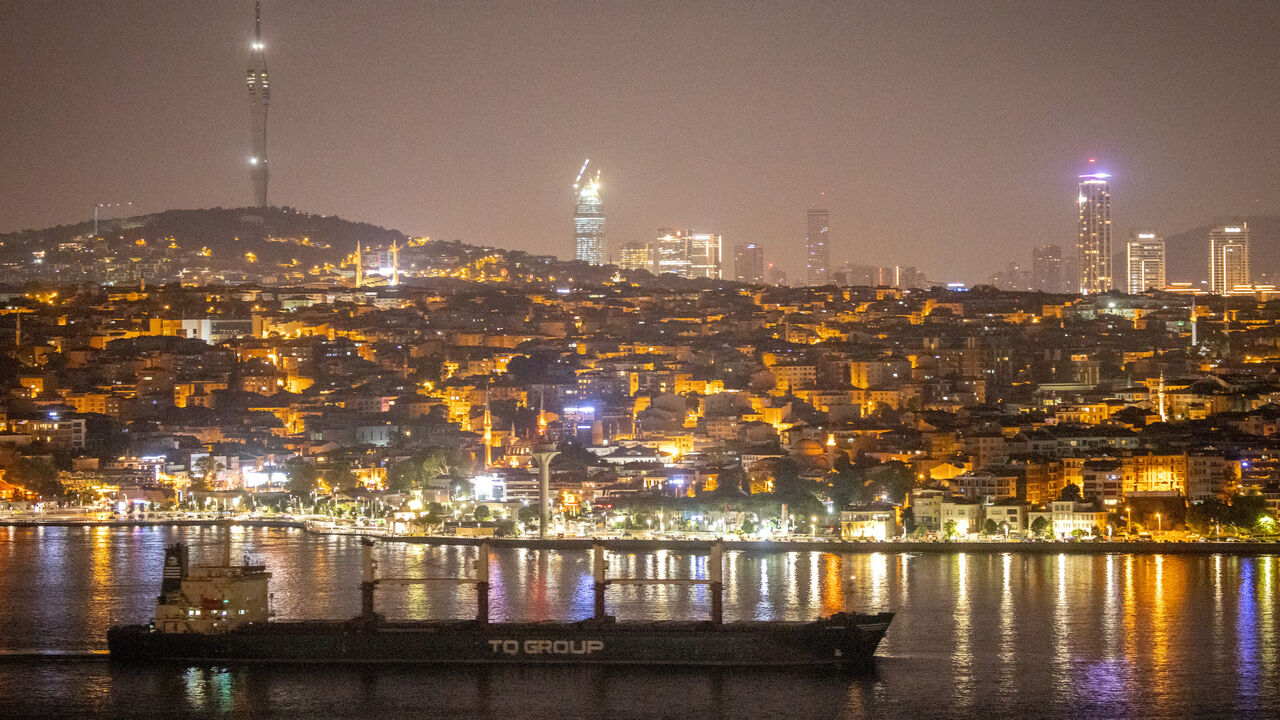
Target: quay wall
<point>753,546</point>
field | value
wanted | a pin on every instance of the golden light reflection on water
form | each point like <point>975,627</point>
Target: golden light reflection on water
<point>833,584</point>
<point>1111,611</point>
<point>1008,637</point>
<point>1061,660</point>
<point>904,578</point>
<point>102,576</point>
<point>962,656</point>
<point>1161,624</point>
<point>878,566</point>
<point>1267,619</point>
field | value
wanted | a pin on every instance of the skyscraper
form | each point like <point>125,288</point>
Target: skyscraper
<point>816,247</point>
<point>671,252</point>
<point>1144,262</point>
<point>748,263</point>
<point>259,99</point>
<point>636,256</point>
<point>1093,245</point>
<point>705,259</point>
<point>588,221</point>
<point>687,253</point>
<point>1228,257</point>
<point>1046,269</point>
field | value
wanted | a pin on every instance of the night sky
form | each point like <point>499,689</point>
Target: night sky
<point>944,135</point>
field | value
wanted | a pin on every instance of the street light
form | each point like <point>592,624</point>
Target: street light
<point>1129,529</point>
<point>813,526</point>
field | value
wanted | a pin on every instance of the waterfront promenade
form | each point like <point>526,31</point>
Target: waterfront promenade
<point>797,543</point>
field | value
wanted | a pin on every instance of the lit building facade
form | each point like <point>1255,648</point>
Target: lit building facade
<point>636,256</point>
<point>1144,262</point>
<point>1228,257</point>
<point>1046,269</point>
<point>687,253</point>
<point>1093,244</point>
<point>748,263</point>
<point>705,259</point>
<point>588,225</point>
<point>817,246</point>
<point>671,253</point>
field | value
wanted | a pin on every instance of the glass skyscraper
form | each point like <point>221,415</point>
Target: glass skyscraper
<point>588,224</point>
<point>1144,262</point>
<point>1093,244</point>
<point>748,263</point>
<point>1228,257</point>
<point>816,248</point>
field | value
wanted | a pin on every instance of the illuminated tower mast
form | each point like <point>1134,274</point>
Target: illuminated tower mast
<point>259,99</point>
<point>395,266</point>
<point>359,265</point>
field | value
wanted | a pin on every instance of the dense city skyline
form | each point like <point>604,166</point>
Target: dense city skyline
<point>418,119</point>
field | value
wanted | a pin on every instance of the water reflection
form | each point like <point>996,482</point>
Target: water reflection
<point>1002,634</point>
<point>962,658</point>
<point>1008,637</point>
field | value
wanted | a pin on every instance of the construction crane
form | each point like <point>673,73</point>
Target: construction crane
<point>577,182</point>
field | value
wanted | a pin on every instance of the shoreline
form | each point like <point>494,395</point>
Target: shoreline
<point>750,546</point>
<point>938,548</point>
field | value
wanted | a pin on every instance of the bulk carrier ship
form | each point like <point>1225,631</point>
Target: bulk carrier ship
<point>219,613</point>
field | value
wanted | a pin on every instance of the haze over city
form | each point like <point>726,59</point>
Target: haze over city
<point>946,136</point>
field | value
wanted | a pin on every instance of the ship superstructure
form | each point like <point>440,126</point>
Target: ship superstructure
<point>210,599</point>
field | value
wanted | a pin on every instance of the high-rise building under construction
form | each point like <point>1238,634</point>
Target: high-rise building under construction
<point>588,220</point>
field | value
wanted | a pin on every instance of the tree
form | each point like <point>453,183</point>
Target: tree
<point>461,489</point>
<point>990,528</point>
<point>404,476</point>
<point>206,469</point>
<point>341,476</point>
<point>439,460</point>
<point>482,513</point>
<point>528,514</point>
<point>303,478</point>
<point>37,476</point>
<point>1071,491</point>
<point>1042,527</point>
<point>507,528</point>
<point>950,530</point>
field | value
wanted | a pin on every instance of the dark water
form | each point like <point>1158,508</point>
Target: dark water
<point>984,636</point>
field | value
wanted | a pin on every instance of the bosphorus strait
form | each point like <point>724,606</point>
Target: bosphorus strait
<point>976,635</point>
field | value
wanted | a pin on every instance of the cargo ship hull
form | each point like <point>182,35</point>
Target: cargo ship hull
<point>848,640</point>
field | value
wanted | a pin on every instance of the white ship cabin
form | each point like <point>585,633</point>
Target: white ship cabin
<point>210,598</point>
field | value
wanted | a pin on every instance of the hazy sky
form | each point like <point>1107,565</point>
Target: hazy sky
<point>944,135</point>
